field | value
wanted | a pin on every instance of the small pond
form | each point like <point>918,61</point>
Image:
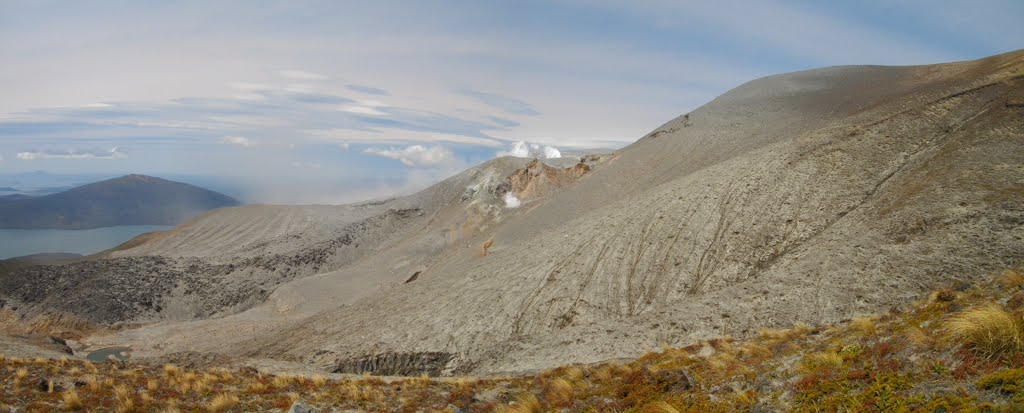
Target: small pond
<point>119,353</point>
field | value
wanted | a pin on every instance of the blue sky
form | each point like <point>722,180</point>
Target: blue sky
<point>332,101</point>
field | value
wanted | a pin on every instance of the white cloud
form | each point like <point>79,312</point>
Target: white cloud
<point>77,154</point>
<point>362,110</point>
<point>397,136</point>
<point>524,149</point>
<point>366,107</point>
<point>301,75</point>
<point>416,155</point>
<point>237,140</point>
<point>343,145</point>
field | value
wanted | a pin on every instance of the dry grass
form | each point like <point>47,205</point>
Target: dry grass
<point>919,338</point>
<point>662,406</point>
<point>864,325</point>
<point>815,362</point>
<point>991,331</point>
<point>889,363</point>
<point>71,399</point>
<point>171,370</point>
<point>559,391</point>
<point>486,246</point>
<point>1011,280</point>
<point>222,402</point>
<point>526,403</point>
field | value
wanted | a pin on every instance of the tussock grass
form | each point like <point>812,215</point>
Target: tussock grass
<point>955,352</point>
<point>816,362</point>
<point>919,338</point>
<point>991,331</point>
<point>222,402</point>
<point>1011,280</point>
<point>171,370</point>
<point>72,401</point>
<point>661,406</point>
<point>864,325</point>
<point>526,403</point>
<point>559,392</point>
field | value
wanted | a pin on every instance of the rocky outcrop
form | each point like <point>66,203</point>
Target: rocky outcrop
<point>396,364</point>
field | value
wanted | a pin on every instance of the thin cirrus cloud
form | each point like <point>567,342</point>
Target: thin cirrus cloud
<point>421,83</point>
<point>504,103</point>
<point>416,155</point>
<point>369,90</point>
<point>72,154</point>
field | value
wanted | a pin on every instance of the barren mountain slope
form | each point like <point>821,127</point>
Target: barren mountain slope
<point>851,190</point>
<point>229,260</point>
<point>814,196</point>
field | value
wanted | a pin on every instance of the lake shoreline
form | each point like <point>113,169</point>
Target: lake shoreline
<point>15,243</point>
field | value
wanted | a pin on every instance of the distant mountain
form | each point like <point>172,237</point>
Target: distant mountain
<point>128,200</point>
<point>8,189</point>
<point>13,197</point>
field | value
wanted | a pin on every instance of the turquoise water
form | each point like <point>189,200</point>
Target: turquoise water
<point>18,242</point>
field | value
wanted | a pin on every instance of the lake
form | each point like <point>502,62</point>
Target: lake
<point>19,242</point>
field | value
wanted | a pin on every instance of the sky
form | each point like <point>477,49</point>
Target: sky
<point>337,101</point>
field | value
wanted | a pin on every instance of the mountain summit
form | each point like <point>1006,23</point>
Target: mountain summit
<point>128,200</point>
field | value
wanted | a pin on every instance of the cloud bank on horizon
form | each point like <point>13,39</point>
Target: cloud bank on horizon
<point>396,95</point>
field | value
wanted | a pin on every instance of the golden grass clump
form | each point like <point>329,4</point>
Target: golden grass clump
<point>864,325</point>
<point>146,398</point>
<point>71,399</point>
<point>919,338</point>
<point>171,370</point>
<point>201,385</point>
<point>526,403</point>
<point>604,373</point>
<point>573,374</point>
<point>281,381</point>
<point>1011,280</point>
<point>661,406</point>
<point>222,402</point>
<point>559,391</point>
<point>122,392</point>
<point>319,380</point>
<point>125,406</point>
<point>991,331</point>
<point>152,385</point>
<point>754,349</point>
<point>92,383</point>
<point>815,362</point>
<point>21,373</point>
<point>257,387</point>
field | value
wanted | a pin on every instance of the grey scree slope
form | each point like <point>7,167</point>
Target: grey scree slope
<point>814,196</point>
